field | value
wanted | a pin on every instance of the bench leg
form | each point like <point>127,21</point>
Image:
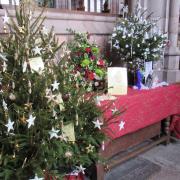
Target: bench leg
<point>100,171</point>
<point>167,129</point>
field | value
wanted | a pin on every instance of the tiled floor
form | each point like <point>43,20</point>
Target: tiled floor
<point>168,158</point>
<point>160,163</point>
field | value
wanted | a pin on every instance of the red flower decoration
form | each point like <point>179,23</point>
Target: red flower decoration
<point>93,57</point>
<point>88,50</point>
<point>100,62</point>
<point>89,75</point>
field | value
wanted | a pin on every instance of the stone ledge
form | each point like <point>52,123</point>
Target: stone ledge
<point>95,24</point>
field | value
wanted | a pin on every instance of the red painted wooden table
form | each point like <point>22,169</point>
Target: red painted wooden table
<point>143,108</point>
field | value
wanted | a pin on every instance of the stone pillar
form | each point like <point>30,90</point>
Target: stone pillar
<point>144,4</point>
<point>69,4</point>
<point>57,3</point>
<point>174,22</point>
<point>159,9</point>
<point>114,7</point>
<point>168,12</point>
<point>171,64</point>
<point>132,5</point>
<point>62,4</point>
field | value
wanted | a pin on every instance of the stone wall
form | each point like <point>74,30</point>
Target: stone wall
<point>99,26</point>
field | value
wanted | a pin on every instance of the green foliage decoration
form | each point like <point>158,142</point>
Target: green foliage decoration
<point>136,39</point>
<point>39,99</point>
<point>90,66</point>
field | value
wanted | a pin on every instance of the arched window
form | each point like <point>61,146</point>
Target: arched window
<point>91,5</point>
<point>98,6</point>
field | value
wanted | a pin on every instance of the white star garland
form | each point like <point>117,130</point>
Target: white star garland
<point>5,105</point>
<point>97,124</point>
<point>121,125</point>
<point>31,120</point>
<point>9,125</point>
<point>55,85</point>
<point>50,97</point>
<point>5,18</point>
<point>4,66</point>
<point>114,110</point>
<point>45,30</point>
<point>80,169</point>
<point>37,50</point>
<point>125,10</point>
<point>2,56</point>
<point>36,178</point>
<point>53,133</point>
<point>48,91</point>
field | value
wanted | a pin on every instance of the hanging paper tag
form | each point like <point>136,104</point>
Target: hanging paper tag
<point>117,80</point>
<point>58,100</point>
<point>24,67</point>
<point>148,69</point>
<point>68,130</point>
<point>36,64</point>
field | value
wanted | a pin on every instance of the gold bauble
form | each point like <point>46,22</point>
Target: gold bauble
<point>5,29</point>
<point>23,119</point>
<point>14,156</point>
<point>28,105</point>
<point>17,147</point>
<point>90,148</point>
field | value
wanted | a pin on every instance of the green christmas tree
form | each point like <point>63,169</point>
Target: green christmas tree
<point>49,126</point>
<point>136,38</point>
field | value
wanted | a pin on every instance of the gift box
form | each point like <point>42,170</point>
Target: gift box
<point>80,176</point>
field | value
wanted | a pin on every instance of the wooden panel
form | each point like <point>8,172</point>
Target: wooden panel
<point>129,140</point>
<point>125,142</point>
